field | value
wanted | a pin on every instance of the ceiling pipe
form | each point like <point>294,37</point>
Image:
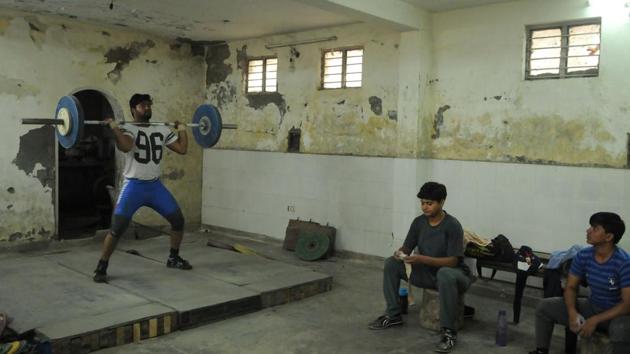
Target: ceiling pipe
<point>305,41</point>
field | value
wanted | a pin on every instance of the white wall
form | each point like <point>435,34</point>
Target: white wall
<point>368,199</point>
<point>464,59</point>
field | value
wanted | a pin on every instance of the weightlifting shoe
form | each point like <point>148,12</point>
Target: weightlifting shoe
<point>178,262</point>
<point>100,276</point>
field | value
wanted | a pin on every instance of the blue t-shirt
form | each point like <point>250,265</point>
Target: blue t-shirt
<point>605,280</point>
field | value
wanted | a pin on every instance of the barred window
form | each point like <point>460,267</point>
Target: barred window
<point>262,75</point>
<point>342,68</point>
<point>565,50</point>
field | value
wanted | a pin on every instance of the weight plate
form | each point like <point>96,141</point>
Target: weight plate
<point>208,133</point>
<point>70,111</point>
<point>311,246</point>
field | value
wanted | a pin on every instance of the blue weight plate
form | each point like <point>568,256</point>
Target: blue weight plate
<point>70,109</point>
<point>209,134</point>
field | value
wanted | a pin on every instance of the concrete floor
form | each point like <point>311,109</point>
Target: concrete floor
<point>336,321</point>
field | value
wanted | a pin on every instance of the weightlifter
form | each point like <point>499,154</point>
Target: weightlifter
<point>143,148</point>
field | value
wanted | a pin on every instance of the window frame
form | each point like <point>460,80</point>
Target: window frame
<point>344,57</point>
<point>264,75</point>
<point>564,27</point>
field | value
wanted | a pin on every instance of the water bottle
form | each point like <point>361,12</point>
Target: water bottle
<point>501,339</point>
<point>403,298</point>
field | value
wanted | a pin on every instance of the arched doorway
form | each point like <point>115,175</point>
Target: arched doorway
<point>85,170</point>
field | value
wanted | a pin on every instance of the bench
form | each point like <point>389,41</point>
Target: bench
<point>521,277</point>
<point>509,266</point>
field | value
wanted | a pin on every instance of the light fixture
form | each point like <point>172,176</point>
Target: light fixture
<point>304,41</point>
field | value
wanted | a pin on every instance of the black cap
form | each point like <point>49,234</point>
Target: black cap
<point>139,97</point>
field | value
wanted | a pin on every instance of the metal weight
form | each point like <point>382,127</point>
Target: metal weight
<point>312,246</point>
<point>70,112</point>
<point>208,132</point>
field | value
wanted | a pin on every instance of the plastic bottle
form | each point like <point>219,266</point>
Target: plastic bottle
<point>501,339</point>
<point>403,296</point>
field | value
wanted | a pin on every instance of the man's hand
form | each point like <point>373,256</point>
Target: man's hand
<point>576,321</point>
<point>400,255</point>
<point>180,127</point>
<point>589,327</point>
<point>415,259</point>
<point>111,122</point>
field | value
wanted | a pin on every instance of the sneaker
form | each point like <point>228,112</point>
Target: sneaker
<point>447,343</point>
<point>385,321</point>
<point>178,262</point>
<point>100,276</point>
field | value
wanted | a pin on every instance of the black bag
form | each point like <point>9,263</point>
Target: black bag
<point>503,250</point>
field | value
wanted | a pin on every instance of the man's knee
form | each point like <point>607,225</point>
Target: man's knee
<point>176,219</point>
<point>392,264</point>
<point>548,305</point>
<point>446,276</point>
<point>119,225</point>
<point>619,329</point>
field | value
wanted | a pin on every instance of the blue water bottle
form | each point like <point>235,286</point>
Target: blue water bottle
<point>501,339</point>
<point>403,296</point>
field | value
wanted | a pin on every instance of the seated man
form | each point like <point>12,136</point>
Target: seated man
<point>606,268</point>
<point>437,264</point>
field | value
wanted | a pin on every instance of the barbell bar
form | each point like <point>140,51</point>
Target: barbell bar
<point>69,121</point>
<point>55,121</point>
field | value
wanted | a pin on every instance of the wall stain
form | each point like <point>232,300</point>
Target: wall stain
<point>242,58</point>
<point>393,115</point>
<point>38,146</point>
<point>30,235</point>
<point>17,87</point>
<point>376,105</point>
<point>37,31</point>
<point>174,174</point>
<point>262,100</point>
<point>217,70</point>
<point>223,94</point>
<point>11,190</point>
<point>547,140</point>
<point>439,121</point>
<point>9,206</point>
<point>122,56</point>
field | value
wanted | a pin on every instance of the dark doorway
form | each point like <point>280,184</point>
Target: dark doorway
<point>84,172</point>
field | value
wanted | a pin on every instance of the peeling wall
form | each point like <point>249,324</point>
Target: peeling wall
<point>484,110</point>
<point>358,121</point>
<point>44,58</point>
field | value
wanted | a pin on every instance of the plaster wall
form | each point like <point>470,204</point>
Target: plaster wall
<point>44,58</point>
<point>483,109</point>
<point>378,119</point>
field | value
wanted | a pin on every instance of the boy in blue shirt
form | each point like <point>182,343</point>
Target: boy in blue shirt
<point>606,269</point>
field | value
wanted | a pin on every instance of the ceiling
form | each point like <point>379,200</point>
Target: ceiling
<point>445,5</point>
<point>211,20</point>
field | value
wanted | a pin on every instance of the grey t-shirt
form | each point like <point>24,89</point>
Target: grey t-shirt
<point>443,240</point>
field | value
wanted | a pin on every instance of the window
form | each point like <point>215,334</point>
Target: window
<point>342,68</point>
<point>565,50</point>
<point>262,75</point>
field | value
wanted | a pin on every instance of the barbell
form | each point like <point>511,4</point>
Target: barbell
<point>206,123</point>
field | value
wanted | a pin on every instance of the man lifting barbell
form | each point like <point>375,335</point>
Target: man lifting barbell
<point>143,147</point>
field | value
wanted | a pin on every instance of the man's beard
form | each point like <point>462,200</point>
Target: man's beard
<point>146,117</point>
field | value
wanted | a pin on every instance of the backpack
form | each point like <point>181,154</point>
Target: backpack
<point>502,249</point>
